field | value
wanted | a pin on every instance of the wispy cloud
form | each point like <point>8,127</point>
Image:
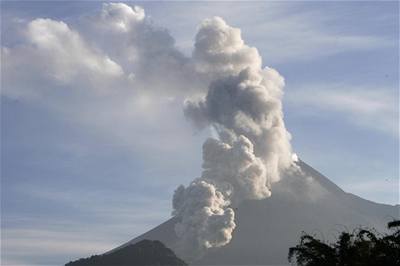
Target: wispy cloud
<point>27,245</point>
<point>286,32</point>
<point>97,220</point>
<point>381,185</point>
<point>305,36</point>
<point>106,205</point>
<point>374,108</point>
<point>388,186</point>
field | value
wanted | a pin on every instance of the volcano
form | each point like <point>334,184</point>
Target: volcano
<point>266,228</point>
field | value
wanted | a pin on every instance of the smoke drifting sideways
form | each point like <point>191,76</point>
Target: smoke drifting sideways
<point>244,106</point>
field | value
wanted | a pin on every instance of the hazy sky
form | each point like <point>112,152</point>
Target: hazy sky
<point>82,173</point>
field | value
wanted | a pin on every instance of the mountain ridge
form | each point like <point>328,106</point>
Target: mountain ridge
<point>267,228</point>
<point>144,252</point>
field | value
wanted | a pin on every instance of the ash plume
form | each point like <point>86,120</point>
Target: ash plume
<point>112,57</point>
<point>243,104</point>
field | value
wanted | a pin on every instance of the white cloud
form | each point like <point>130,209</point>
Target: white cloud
<point>374,108</point>
<point>52,56</point>
<point>114,73</point>
<point>67,52</point>
<point>119,17</point>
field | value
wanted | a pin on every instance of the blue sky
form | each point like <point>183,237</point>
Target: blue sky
<point>73,173</point>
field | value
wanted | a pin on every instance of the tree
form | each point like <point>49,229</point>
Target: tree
<point>363,247</point>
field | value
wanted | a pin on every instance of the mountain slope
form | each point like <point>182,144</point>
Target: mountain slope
<point>267,228</point>
<point>145,252</point>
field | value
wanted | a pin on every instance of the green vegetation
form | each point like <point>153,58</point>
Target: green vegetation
<point>361,248</point>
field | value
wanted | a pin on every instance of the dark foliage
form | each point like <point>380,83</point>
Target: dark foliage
<point>145,252</point>
<point>360,248</point>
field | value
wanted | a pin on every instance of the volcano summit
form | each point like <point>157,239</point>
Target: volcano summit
<point>265,229</point>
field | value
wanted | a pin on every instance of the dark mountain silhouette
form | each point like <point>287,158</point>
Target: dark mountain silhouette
<point>145,252</point>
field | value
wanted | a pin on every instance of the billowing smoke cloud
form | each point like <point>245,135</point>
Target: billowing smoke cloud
<point>243,104</point>
<point>249,104</point>
<point>219,49</point>
<point>110,59</point>
<point>231,173</point>
<point>146,52</point>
